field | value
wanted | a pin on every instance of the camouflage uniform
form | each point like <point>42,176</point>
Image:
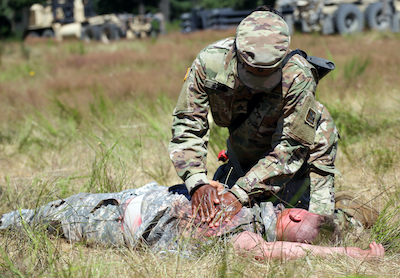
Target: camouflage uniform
<point>287,135</point>
<point>86,217</point>
<point>98,219</point>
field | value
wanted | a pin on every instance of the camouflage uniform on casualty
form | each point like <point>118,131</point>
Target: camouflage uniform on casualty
<point>98,219</point>
<point>84,217</point>
<point>166,221</point>
<point>284,137</point>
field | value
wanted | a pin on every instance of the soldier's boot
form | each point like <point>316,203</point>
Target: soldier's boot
<point>356,209</point>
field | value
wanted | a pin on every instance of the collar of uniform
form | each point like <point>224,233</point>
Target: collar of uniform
<point>226,74</point>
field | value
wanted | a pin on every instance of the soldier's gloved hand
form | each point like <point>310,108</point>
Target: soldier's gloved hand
<point>227,209</point>
<point>203,202</point>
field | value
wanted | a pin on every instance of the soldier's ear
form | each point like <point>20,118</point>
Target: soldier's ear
<point>294,217</point>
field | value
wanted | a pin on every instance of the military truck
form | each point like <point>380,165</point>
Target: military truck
<point>325,16</point>
<point>76,18</point>
<point>340,16</point>
<point>199,19</point>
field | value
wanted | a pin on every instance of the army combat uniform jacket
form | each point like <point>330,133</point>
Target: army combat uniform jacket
<point>98,219</point>
<point>286,129</point>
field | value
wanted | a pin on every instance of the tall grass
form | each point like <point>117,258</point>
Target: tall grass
<point>355,68</point>
<point>91,117</point>
<point>104,177</point>
<point>387,228</point>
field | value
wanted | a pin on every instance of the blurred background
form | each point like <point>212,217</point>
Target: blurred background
<point>108,20</point>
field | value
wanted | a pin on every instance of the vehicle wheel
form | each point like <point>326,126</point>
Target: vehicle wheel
<point>348,19</point>
<point>122,32</point>
<point>48,33</point>
<point>91,32</point>
<point>375,18</point>
<point>33,34</point>
<point>109,32</point>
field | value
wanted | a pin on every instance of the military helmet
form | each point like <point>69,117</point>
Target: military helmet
<point>262,43</point>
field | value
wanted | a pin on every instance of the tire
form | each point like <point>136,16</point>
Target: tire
<point>48,33</point>
<point>122,32</point>
<point>348,19</point>
<point>109,32</point>
<point>91,32</point>
<point>375,18</point>
<point>33,34</point>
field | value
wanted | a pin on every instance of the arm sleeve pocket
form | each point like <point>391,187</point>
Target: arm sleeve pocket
<point>304,125</point>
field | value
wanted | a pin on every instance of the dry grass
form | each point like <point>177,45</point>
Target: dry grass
<point>92,117</point>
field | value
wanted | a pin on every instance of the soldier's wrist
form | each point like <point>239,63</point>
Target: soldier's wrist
<point>196,181</point>
<point>240,194</point>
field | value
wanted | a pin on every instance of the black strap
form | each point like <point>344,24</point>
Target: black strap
<point>234,159</point>
<point>294,52</point>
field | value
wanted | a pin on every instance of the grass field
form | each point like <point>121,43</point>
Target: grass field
<point>94,117</point>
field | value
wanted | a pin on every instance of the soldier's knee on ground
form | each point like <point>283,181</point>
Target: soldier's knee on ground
<point>357,209</point>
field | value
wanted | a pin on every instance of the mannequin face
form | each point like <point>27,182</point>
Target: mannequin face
<point>296,225</point>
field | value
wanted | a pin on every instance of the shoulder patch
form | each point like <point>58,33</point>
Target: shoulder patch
<point>310,117</point>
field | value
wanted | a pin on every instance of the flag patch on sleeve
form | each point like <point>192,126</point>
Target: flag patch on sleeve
<point>310,118</point>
